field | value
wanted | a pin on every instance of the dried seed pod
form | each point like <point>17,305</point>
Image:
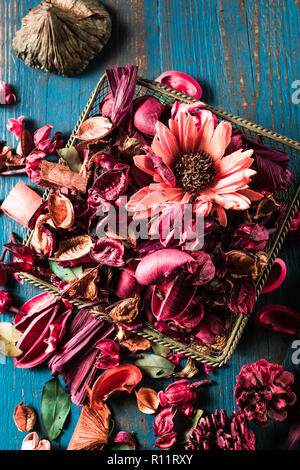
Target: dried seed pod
<point>43,241</point>
<point>85,286</point>
<point>62,36</point>
<point>147,400</point>
<point>61,210</point>
<point>24,417</point>
<point>126,310</point>
<point>189,370</point>
<point>73,248</point>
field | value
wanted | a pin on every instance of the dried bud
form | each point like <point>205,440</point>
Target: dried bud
<point>266,206</point>
<point>24,417</point>
<point>126,311</point>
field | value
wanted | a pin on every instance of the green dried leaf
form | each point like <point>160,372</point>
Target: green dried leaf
<point>55,408</point>
<point>8,339</point>
<point>160,349</point>
<point>71,156</point>
<point>66,274</point>
<point>155,366</point>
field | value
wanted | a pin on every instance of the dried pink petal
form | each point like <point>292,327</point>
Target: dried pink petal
<point>5,301</point>
<point>242,296</point>
<point>31,442</point>
<point>162,265</point>
<point>33,162</point>
<point>278,318</point>
<point>182,82</point>
<point>108,251</point>
<point>276,277</point>
<point>147,111</point>
<point>123,437</point>
<point>251,236</point>
<point>164,421</point>
<point>196,110</point>
<point>6,96</point>
<point>15,126</point>
<point>112,183</point>
<point>109,354</point>
<point>167,441</point>
<point>46,144</point>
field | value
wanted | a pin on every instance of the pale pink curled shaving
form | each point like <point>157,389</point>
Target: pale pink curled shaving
<point>31,442</point>
<point>15,126</point>
<point>182,82</point>
<point>109,356</point>
<point>21,203</point>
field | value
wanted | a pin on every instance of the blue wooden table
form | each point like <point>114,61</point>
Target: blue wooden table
<point>245,54</point>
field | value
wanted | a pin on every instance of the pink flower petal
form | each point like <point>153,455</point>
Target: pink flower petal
<point>182,82</point>
<point>276,277</point>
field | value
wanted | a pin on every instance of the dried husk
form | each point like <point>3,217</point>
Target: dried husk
<point>126,310</point>
<point>24,417</point>
<point>73,248</point>
<point>147,400</point>
<point>40,242</point>
<point>91,432</point>
<point>131,341</point>
<point>61,210</point>
<point>62,36</point>
<point>189,370</point>
<point>85,286</point>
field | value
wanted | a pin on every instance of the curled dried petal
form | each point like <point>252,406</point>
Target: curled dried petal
<point>109,354</point>
<point>166,441</point>
<point>108,251</point>
<point>276,277</point>
<point>24,417</point>
<point>122,378</point>
<point>278,318</point>
<point>61,210</point>
<point>147,400</point>
<point>182,82</point>
<point>31,442</point>
<point>124,437</point>
<point>43,241</point>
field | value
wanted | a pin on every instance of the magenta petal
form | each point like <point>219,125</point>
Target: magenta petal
<point>42,134</point>
<point>20,251</point>
<point>109,354</point>
<point>124,437</point>
<point>162,265</point>
<point>108,251</point>
<point>278,318</point>
<point>182,82</point>
<point>113,183</point>
<point>127,285</point>
<point>147,111</point>
<point>166,441</point>
<point>242,296</point>
<point>276,276</point>
<point>164,421</point>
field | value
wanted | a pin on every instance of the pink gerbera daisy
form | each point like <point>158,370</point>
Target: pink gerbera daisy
<point>194,170</point>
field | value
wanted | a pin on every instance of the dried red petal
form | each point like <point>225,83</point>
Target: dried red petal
<point>122,378</point>
<point>182,82</point>
<point>276,277</point>
<point>278,318</point>
<point>108,251</point>
<point>109,354</point>
<point>167,441</point>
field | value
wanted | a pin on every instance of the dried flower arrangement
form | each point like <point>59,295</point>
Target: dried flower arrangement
<point>168,169</point>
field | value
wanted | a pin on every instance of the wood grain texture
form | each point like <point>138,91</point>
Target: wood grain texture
<point>245,54</point>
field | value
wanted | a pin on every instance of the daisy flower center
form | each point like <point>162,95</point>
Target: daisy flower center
<point>194,171</point>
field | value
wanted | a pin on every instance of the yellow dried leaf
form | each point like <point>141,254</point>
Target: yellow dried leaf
<point>8,339</point>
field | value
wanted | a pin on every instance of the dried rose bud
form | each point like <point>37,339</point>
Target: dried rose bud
<point>24,417</point>
<point>126,311</point>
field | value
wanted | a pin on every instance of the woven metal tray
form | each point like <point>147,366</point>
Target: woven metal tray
<point>220,352</point>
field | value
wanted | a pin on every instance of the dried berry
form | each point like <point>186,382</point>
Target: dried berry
<point>24,417</point>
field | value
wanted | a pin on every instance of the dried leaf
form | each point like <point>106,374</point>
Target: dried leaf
<point>73,248</point>
<point>66,274</point>
<point>95,128</point>
<point>71,156</point>
<point>24,417</point>
<point>9,336</point>
<point>91,432</point>
<point>131,341</point>
<point>155,366</point>
<point>189,370</point>
<point>159,349</point>
<point>54,175</point>
<point>147,400</point>
<point>190,423</point>
<point>61,210</point>
<point>55,408</point>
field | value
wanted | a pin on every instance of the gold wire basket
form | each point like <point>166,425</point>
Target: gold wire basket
<point>219,353</point>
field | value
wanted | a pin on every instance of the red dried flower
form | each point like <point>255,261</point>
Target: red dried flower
<point>251,236</point>
<point>263,392</point>
<point>5,301</point>
<point>33,165</point>
<point>46,144</point>
<point>180,393</point>
<point>219,432</point>
<point>109,354</point>
<point>164,422</point>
